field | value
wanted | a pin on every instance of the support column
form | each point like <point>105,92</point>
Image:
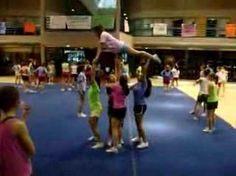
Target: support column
<point>117,34</point>
<point>42,30</point>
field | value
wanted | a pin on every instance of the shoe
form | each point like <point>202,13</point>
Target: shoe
<point>98,145</point>
<point>135,139</point>
<point>192,112</point>
<point>63,90</point>
<point>195,118</point>
<point>112,150</point>
<point>91,138</point>
<point>206,130</point>
<point>119,146</point>
<point>143,145</point>
<point>69,89</point>
<point>122,142</point>
<point>203,114</point>
<point>82,115</point>
<point>156,58</point>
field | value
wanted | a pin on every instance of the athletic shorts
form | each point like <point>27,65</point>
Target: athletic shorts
<point>166,81</point>
<point>140,109</point>
<point>109,111</point>
<point>175,79</point>
<point>124,49</point>
<point>212,105</point>
<point>25,78</point>
<point>66,75</point>
<point>42,78</point>
<point>202,98</point>
<point>118,113</point>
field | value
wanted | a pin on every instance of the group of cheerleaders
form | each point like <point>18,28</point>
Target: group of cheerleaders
<point>18,146</point>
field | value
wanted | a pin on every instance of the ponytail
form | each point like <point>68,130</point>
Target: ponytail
<point>124,85</point>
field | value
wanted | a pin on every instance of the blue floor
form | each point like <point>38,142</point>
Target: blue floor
<point>178,147</point>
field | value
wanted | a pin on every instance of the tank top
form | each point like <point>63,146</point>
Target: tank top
<point>212,94</point>
<point>118,97</point>
<point>13,159</point>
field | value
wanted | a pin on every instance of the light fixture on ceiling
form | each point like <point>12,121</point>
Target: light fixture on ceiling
<point>124,14</point>
<point>67,45</point>
<point>72,10</point>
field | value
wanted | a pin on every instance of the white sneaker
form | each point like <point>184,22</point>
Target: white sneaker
<point>195,118</point>
<point>143,145</point>
<point>91,138</point>
<point>191,112</point>
<point>62,89</point>
<point>82,115</point>
<point>135,139</point>
<point>119,146</point>
<point>98,145</point>
<point>203,114</point>
<point>156,58</point>
<point>206,130</point>
<point>69,89</point>
<point>112,150</point>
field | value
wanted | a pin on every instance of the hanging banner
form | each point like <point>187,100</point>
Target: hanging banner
<point>56,22</point>
<point>126,25</point>
<point>189,30</point>
<point>159,28</point>
<point>2,27</point>
<point>29,28</point>
<point>230,30</point>
<point>79,22</point>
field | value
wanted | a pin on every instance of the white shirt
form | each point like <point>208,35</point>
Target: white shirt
<point>65,67</point>
<point>74,69</point>
<point>203,85</point>
<point>111,43</point>
<point>175,73</point>
<point>82,82</point>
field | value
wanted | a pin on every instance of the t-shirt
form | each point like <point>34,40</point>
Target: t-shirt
<point>74,69</point>
<point>167,74</point>
<point>212,94</point>
<point>111,43</point>
<point>16,69</point>
<point>118,96</point>
<point>51,69</point>
<point>175,73</point>
<point>94,97</point>
<point>139,93</point>
<point>41,71</point>
<point>203,86</point>
<point>82,82</point>
<point>222,76</point>
<point>65,67</point>
<point>125,70</point>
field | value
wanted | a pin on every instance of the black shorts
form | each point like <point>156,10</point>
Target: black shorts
<point>25,78</point>
<point>202,98</point>
<point>140,109</point>
<point>212,105</point>
<point>118,113</point>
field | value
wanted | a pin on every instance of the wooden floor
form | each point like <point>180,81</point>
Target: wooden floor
<point>227,104</point>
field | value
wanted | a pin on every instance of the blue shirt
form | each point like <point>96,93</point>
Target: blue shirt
<point>139,93</point>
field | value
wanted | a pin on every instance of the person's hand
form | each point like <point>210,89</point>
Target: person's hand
<point>25,108</point>
<point>95,61</point>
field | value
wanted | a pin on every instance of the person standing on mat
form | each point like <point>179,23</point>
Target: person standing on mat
<point>16,145</point>
<point>95,107</point>
<point>141,90</point>
<point>212,103</point>
<point>81,86</point>
<point>119,92</point>
<point>108,43</point>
